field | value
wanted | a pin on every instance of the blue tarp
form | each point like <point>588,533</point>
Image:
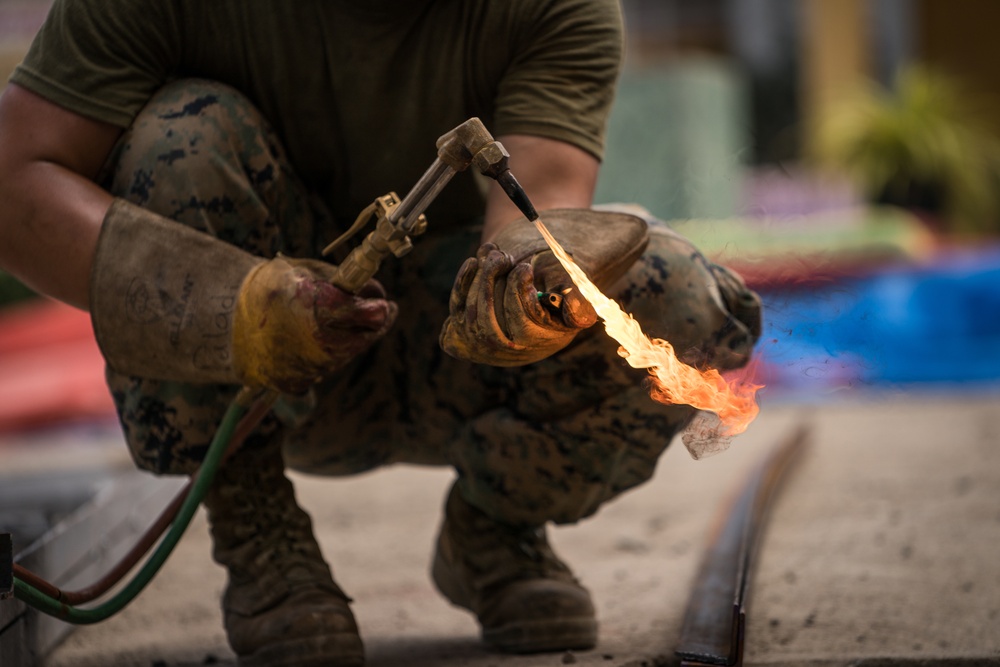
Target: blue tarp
<point>938,323</point>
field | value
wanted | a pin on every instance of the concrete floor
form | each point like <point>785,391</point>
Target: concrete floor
<point>882,550</point>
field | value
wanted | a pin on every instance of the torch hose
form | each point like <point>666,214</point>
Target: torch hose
<point>56,605</point>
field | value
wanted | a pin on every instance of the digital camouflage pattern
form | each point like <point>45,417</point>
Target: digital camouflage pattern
<point>550,441</point>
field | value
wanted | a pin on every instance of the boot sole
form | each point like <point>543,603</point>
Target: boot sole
<point>540,636</point>
<point>343,650</point>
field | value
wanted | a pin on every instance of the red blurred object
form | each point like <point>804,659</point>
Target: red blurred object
<point>51,369</point>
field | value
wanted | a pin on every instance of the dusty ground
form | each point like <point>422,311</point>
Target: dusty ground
<point>882,550</point>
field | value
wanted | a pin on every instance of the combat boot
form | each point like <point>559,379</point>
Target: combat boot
<point>281,606</point>
<point>526,599</point>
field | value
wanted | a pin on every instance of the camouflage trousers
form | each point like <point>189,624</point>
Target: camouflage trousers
<point>550,441</point>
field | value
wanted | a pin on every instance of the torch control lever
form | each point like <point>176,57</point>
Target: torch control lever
<point>396,221</point>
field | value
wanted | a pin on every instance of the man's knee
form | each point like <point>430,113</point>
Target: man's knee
<point>199,153</point>
<point>185,126</point>
<point>704,310</point>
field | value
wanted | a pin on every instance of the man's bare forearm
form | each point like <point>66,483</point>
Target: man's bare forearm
<point>50,229</point>
<point>52,209</point>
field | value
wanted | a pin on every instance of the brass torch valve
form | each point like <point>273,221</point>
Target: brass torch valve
<point>470,142</point>
<point>396,221</point>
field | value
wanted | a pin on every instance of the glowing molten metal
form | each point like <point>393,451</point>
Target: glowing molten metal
<point>672,380</point>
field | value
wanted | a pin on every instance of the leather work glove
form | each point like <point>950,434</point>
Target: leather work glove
<point>496,315</point>
<point>292,327</point>
<point>172,303</point>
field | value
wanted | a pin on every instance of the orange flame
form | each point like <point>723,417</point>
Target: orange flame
<point>673,381</point>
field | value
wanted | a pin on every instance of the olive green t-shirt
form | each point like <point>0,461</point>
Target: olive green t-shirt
<point>358,90</point>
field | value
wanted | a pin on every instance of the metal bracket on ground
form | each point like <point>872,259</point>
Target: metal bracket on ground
<point>6,566</point>
<point>80,547</point>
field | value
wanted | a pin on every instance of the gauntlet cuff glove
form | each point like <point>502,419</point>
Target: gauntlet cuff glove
<point>496,316</point>
<point>172,303</point>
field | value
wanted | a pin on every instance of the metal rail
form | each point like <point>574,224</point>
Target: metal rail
<point>715,622</point>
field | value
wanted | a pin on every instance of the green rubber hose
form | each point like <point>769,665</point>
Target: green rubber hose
<point>48,605</point>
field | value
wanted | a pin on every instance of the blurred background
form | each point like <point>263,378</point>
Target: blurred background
<point>842,155</point>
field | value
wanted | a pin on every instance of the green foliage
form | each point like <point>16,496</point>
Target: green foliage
<point>12,291</point>
<point>921,144</point>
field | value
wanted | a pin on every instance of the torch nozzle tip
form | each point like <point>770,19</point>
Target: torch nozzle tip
<point>517,195</point>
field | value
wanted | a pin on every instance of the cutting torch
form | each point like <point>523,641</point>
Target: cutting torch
<point>397,221</point>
